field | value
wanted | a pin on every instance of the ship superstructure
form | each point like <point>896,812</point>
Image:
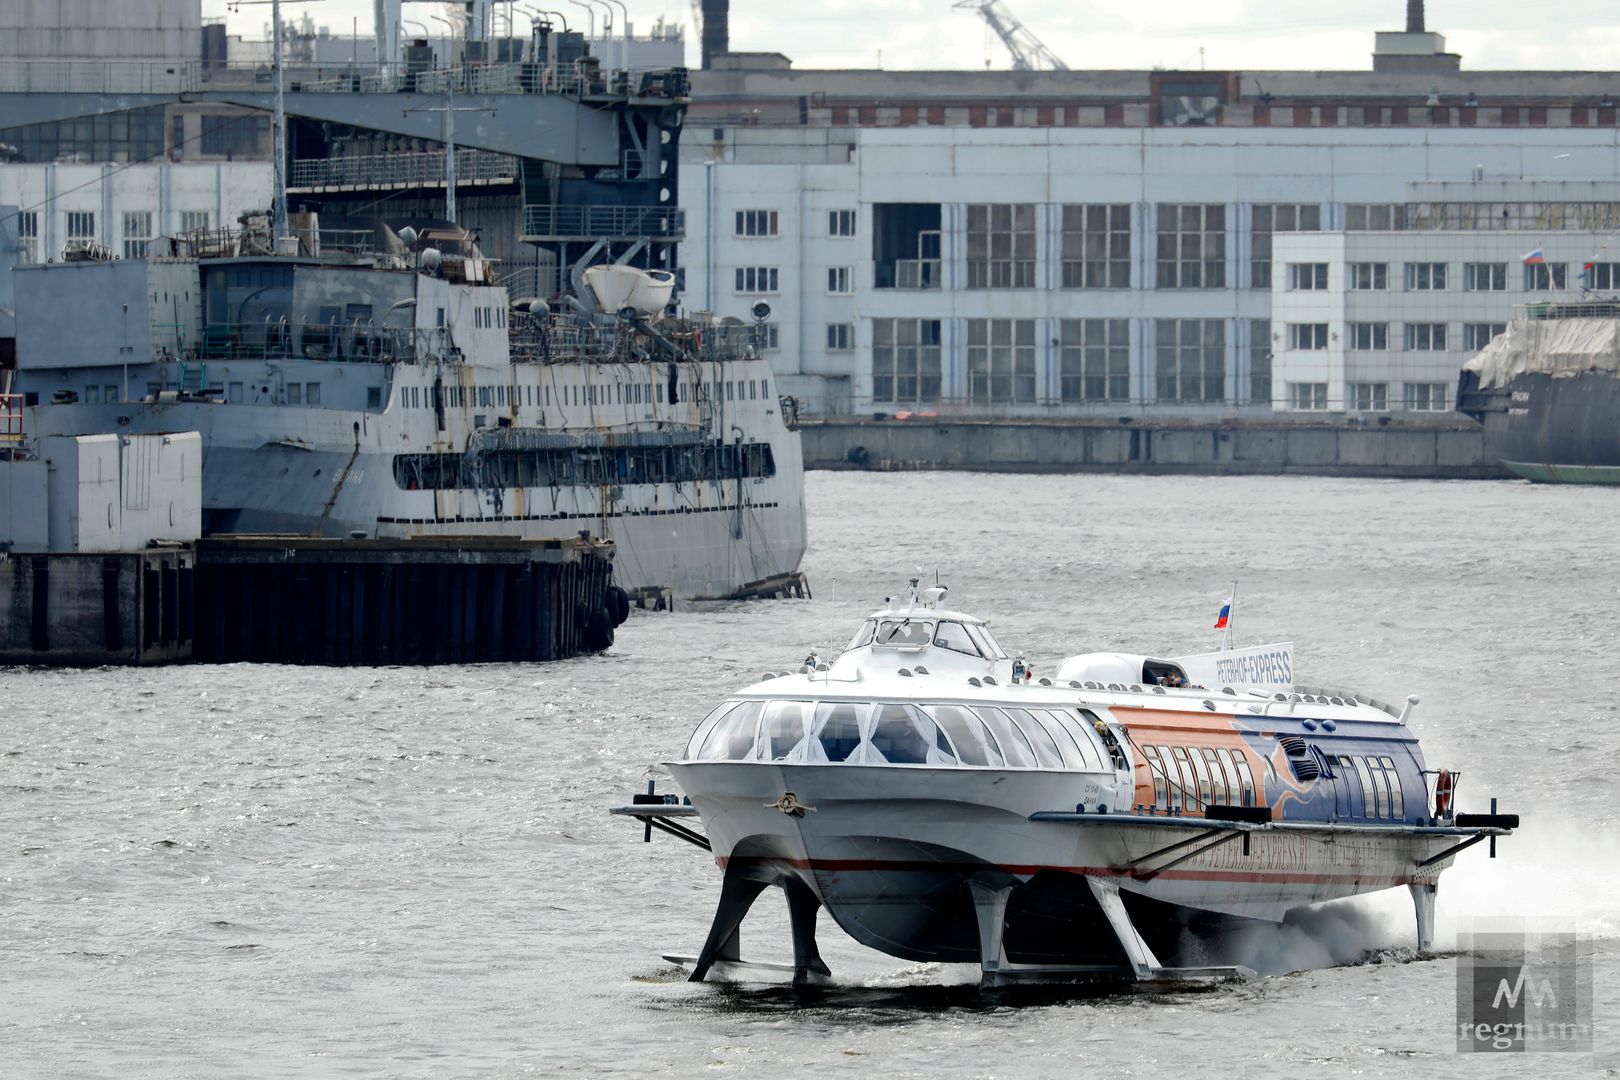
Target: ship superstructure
<point>392,388</point>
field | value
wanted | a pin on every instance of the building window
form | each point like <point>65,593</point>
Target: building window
<point>1425,276</point>
<point>28,236</point>
<point>838,280</point>
<point>840,337</point>
<point>1484,277</point>
<point>1260,361</point>
<point>130,135</point>
<point>1544,277</point>
<point>1311,396</point>
<point>1001,246</point>
<point>137,232</point>
<point>1369,336</point>
<point>906,361</point>
<point>81,225</point>
<point>1426,337</point>
<point>1368,276</point>
<point>756,223</point>
<point>1095,360</point>
<point>1001,361</point>
<point>1369,396</point>
<point>768,335</point>
<point>193,221</point>
<point>1307,335</point>
<point>1426,397</point>
<point>1096,247</point>
<point>1192,246</point>
<point>1477,335</point>
<point>756,279</point>
<point>1265,220</point>
<point>233,136</point>
<point>1190,359</point>
<point>1308,277</point>
<point>1374,217</point>
<point>1605,275</point>
<point>840,223</point>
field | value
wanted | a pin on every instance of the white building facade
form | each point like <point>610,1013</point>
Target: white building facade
<point>1382,322</point>
<point>124,206</point>
<point>1036,271</point>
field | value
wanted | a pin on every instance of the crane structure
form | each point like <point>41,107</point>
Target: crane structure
<point>1028,52</point>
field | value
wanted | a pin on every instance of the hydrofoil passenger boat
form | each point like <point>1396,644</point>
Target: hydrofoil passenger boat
<point>945,806</point>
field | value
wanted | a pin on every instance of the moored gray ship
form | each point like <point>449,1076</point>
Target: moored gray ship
<point>391,388</point>
<point>1547,392</point>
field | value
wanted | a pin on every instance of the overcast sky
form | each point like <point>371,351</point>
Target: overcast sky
<point>1244,34</point>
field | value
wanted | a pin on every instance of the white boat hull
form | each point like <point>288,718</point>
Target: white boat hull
<point>892,853</point>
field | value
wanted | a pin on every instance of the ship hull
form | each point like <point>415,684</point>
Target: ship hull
<point>274,470</point>
<point>895,854</point>
<point>1558,430</point>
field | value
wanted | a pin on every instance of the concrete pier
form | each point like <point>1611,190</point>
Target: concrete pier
<point>1444,448</point>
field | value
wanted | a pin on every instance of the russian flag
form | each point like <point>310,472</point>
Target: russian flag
<point>1226,614</point>
<point>1535,257</point>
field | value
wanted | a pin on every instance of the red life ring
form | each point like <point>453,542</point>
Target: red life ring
<point>1444,785</point>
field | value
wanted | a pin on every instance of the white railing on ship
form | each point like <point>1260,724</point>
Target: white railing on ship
<point>382,170</point>
<point>99,76</point>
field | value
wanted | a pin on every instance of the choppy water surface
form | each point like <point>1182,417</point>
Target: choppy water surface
<point>263,871</point>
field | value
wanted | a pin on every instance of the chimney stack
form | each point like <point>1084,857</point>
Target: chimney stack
<point>1414,16</point>
<point>716,30</point>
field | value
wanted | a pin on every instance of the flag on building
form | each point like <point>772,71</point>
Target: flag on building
<point>1534,258</point>
<point>1226,614</point>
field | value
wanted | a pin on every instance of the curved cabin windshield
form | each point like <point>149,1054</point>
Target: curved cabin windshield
<point>955,637</point>
<point>899,733</point>
<point>863,636</point>
<point>904,632</point>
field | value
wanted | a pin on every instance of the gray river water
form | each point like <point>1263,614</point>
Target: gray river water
<point>269,871</point>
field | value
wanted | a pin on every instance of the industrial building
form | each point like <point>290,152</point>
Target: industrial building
<point>1047,243</point>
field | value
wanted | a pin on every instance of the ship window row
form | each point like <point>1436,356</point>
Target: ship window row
<point>892,733</point>
<point>563,467</point>
<point>1371,785</point>
<point>1186,779</point>
<point>421,397</point>
<point>489,318</point>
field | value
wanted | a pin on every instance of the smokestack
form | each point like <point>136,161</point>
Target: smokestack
<point>716,30</point>
<point>1414,16</point>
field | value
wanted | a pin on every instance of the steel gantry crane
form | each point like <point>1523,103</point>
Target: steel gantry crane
<point>1028,53</point>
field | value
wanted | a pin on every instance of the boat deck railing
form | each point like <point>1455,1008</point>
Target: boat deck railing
<point>403,170</point>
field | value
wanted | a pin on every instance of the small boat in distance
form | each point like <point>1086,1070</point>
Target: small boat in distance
<point>945,806</point>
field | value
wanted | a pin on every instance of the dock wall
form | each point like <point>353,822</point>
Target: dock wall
<point>88,609</point>
<point>1440,450</point>
<point>371,602</point>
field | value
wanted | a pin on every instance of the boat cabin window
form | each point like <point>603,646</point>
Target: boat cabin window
<point>987,644</point>
<point>1047,754</point>
<point>974,745</point>
<point>863,636</point>
<point>904,735</point>
<point>893,733</point>
<point>1015,747</point>
<point>733,737</point>
<point>787,725</point>
<point>955,636</point>
<point>904,632</point>
<point>838,728</point>
<point>695,744</point>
